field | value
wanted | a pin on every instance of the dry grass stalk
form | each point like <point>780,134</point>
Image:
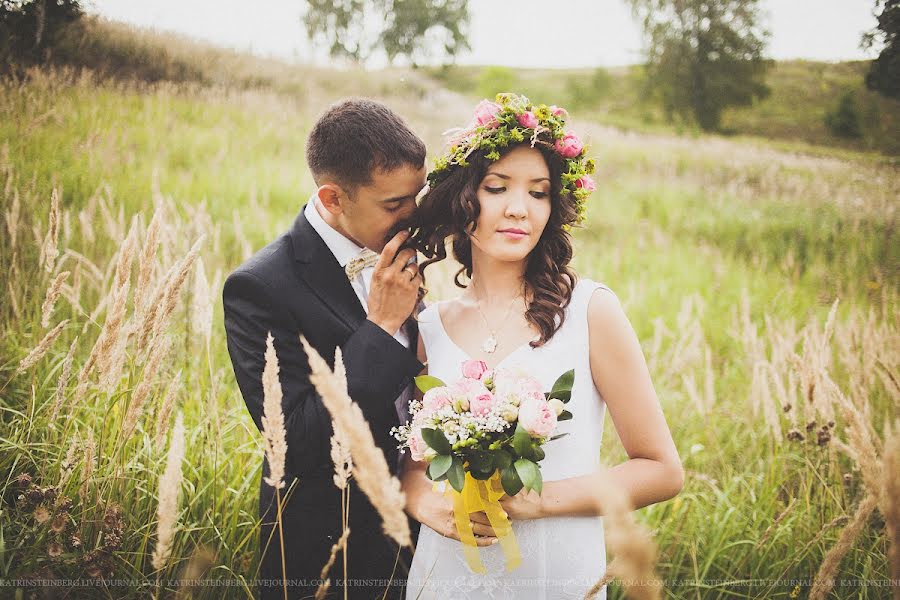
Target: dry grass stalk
<point>147,264</point>
<point>102,350</point>
<point>169,486</point>
<point>630,542</point>
<point>88,473</point>
<point>142,391</point>
<point>339,545</point>
<point>860,437</point>
<point>370,468</point>
<point>202,560</point>
<point>86,222</point>
<point>890,495</point>
<point>113,365</point>
<point>274,435</point>
<point>41,349</point>
<point>65,467</point>
<point>126,255</point>
<point>12,218</point>
<point>165,409</point>
<point>201,303</point>
<point>63,382</point>
<point>94,270</point>
<point>49,249</point>
<point>53,293</point>
<point>167,295</point>
<point>340,445</point>
<point>827,570</point>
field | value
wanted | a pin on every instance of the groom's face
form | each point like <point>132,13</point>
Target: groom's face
<point>374,213</point>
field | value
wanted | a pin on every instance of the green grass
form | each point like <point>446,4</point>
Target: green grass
<point>676,219</point>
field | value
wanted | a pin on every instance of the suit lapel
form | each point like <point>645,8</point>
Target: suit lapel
<point>320,269</point>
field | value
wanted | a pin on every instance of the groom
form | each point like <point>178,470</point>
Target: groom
<point>318,280</point>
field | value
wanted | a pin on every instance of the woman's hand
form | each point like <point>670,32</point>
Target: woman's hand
<point>524,505</point>
<point>435,509</point>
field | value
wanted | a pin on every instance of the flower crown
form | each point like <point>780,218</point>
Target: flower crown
<point>512,119</point>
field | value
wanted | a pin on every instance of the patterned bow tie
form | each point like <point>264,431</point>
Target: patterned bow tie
<point>366,258</point>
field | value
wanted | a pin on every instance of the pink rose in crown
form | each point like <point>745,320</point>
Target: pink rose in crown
<point>527,119</point>
<point>436,398</point>
<point>586,183</point>
<point>417,445</point>
<point>486,113</point>
<point>559,112</point>
<point>474,369</point>
<point>537,417</point>
<point>482,404</point>
<point>569,146</point>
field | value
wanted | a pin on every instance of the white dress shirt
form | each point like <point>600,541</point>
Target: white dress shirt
<point>345,250</point>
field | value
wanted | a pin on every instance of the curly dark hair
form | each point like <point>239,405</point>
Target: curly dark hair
<point>450,209</point>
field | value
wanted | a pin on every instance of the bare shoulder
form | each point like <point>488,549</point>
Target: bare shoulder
<point>608,325</point>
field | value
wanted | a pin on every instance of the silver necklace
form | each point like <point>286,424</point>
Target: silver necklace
<point>490,344</point>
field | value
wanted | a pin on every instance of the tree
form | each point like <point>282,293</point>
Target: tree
<point>843,120</point>
<point>884,72</point>
<point>416,29</point>
<point>703,55</point>
<point>29,27</point>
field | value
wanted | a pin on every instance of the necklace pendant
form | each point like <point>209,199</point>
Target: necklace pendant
<point>489,345</point>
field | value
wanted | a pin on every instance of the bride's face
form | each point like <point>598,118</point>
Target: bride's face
<point>515,205</point>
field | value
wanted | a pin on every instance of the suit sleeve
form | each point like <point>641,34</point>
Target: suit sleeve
<point>377,365</point>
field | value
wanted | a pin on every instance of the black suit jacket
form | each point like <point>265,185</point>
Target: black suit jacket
<point>295,285</point>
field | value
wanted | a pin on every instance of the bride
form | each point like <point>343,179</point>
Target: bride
<point>506,194</point>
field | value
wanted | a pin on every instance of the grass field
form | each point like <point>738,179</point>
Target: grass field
<point>729,255</point>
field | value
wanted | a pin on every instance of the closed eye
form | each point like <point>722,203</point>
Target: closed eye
<point>495,190</point>
<point>539,194</point>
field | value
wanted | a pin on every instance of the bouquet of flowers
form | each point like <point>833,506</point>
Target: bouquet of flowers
<point>484,435</point>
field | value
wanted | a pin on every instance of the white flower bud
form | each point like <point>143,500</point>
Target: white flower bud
<point>557,405</point>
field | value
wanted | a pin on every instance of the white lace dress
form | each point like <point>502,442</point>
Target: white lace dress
<point>562,557</point>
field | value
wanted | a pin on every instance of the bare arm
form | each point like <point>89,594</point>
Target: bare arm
<point>653,473</point>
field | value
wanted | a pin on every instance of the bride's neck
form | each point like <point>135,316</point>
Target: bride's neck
<point>496,282</point>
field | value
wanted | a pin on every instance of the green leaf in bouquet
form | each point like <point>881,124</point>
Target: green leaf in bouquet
<point>439,466</point>
<point>426,382</point>
<point>537,453</point>
<point>529,473</point>
<point>482,475</point>
<point>481,461</point>
<point>521,441</point>
<point>562,388</point>
<point>559,435</point>
<point>456,475</point>
<point>510,481</point>
<point>502,459</point>
<point>435,439</point>
<point>564,416</point>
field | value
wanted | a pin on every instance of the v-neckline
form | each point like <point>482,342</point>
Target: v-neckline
<point>466,355</point>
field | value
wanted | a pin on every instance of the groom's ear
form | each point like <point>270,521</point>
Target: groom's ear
<point>332,197</point>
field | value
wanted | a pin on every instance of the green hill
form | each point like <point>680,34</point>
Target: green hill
<point>802,93</point>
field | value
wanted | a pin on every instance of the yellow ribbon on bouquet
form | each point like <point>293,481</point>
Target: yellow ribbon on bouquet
<point>483,496</point>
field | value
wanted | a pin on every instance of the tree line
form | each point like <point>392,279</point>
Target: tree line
<point>702,56</point>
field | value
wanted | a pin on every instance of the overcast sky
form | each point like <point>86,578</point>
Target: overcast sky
<point>589,32</point>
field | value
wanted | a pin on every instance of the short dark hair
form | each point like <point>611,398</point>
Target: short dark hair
<point>356,136</point>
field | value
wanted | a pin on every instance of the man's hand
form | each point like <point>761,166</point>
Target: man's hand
<point>395,285</point>
<point>436,510</point>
